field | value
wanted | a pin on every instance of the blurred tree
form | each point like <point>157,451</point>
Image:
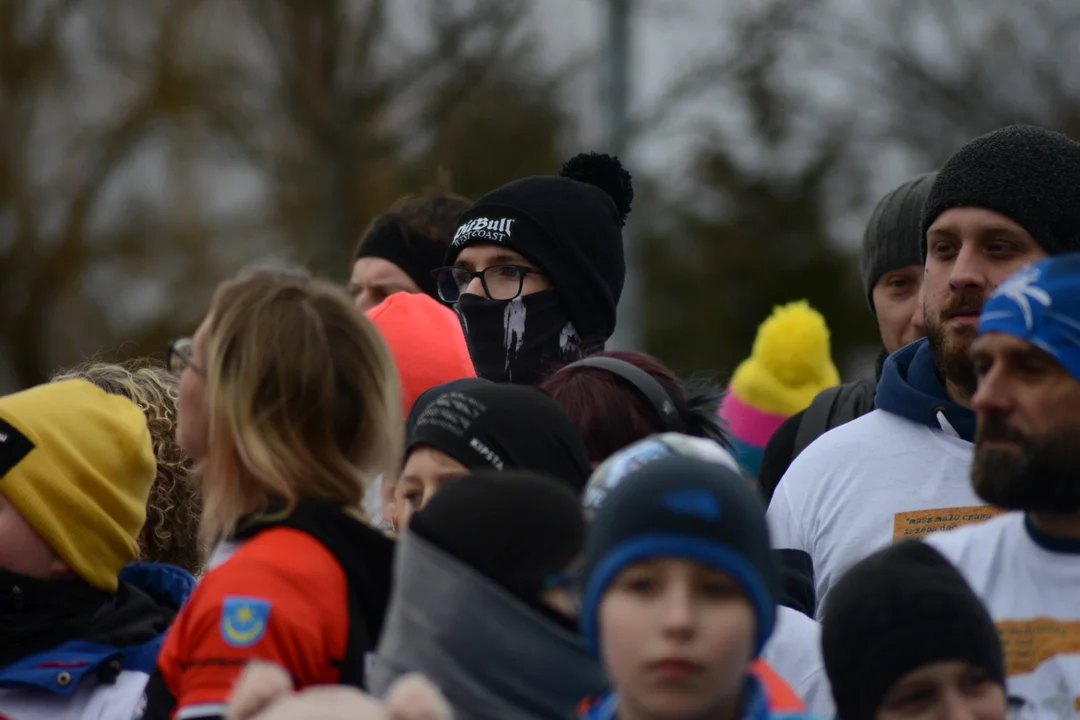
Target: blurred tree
<point>830,100</point>
<point>148,150</point>
<point>937,73</point>
<point>371,118</point>
<point>755,229</point>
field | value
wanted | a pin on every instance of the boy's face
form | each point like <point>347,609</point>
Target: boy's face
<point>676,638</point>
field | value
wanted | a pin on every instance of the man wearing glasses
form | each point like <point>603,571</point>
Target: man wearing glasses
<point>536,269</point>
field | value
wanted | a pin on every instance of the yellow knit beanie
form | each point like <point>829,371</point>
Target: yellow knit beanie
<point>790,362</point>
<point>78,464</point>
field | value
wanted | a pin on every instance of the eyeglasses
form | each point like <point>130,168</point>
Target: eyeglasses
<point>181,350</point>
<point>501,282</point>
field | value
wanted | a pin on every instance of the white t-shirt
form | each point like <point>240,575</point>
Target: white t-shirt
<point>863,485</point>
<point>92,701</point>
<point>1033,596</point>
<point>794,652</point>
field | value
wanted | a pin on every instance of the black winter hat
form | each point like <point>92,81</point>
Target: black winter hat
<point>432,393</point>
<point>891,238</point>
<point>485,425</point>
<point>1029,174</point>
<point>897,610</point>
<point>686,508</point>
<point>570,225</point>
<point>516,528</point>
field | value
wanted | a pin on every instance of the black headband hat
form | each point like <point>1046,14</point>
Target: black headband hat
<point>417,255</point>
<point>569,225</point>
<point>486,425</point>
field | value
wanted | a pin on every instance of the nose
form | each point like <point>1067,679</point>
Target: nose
<point>678,612</point>
<point>475,287</point>
<point>968,270</point>
<point>992,394</point>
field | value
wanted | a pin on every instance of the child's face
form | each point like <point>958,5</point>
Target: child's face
<point>676,638</point>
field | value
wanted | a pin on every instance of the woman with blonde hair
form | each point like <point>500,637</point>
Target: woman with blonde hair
<point>170,534</point>
<point>289,403</point>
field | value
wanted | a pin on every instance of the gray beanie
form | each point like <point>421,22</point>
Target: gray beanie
<point>891,240</point>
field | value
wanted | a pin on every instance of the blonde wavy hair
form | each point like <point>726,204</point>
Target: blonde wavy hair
<point>170,534</point>
<point>301,395</point>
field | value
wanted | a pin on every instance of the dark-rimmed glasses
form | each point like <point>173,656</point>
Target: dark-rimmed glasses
<point>181,350</point>
<point>501,282</point>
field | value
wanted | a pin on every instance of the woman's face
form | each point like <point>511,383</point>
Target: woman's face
<point>676,638</point>
<point>375,279</point>
<point>944,690</point>
<point>426,470</point>
<point>191,415</point>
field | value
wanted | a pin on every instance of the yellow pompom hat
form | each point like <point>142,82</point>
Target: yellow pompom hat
<point>789,364</point>
<point>78,464</point>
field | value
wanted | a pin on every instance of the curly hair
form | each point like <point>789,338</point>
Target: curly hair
<point>174,508</point>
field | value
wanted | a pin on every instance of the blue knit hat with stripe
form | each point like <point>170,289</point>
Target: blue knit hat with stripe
<point>1040,304</point>
<point>687,508</point>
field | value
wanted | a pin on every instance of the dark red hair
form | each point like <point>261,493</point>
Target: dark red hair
<point>610,413</point>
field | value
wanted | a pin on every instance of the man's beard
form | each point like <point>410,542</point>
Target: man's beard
<point>949,350</point>
<point>1040,477</point>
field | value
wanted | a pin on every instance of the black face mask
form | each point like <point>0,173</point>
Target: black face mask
<point>517,341</point>
<point>36,615</point>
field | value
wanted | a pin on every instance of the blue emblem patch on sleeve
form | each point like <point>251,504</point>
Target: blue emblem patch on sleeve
<point>244,620</point>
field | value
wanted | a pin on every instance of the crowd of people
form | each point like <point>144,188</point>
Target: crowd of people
<point>435,494</point>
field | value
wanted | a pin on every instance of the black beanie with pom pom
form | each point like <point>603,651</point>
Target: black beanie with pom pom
<point>570,225</point>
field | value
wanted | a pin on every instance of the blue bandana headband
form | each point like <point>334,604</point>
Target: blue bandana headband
<point>1041,305</point>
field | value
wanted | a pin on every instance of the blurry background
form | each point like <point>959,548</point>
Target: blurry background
<point>149,148</point>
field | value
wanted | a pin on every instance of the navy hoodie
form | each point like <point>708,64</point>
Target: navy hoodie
<point>910,387</point>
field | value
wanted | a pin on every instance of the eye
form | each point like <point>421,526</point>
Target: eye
<point>899,283</point>
<point>414,498</point>
<point>509,272</point>
<point>974,680</point>
<point>641,585</point>
<point>943,249</point>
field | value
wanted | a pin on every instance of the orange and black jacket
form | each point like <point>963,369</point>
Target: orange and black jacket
<point>307,592</point>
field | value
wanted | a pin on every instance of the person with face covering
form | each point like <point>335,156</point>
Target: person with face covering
<point>536,268</point>
<point>905,637</point>
<point>481,605</point>
<point>1026,565</point>
<point>1003,201</point>
<point>478,425</point>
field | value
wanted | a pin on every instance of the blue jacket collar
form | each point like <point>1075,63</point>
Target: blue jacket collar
<point>755,706</point>
<point>910,387</point>
<point>60,670</point>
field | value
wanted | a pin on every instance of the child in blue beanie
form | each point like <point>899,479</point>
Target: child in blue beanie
<point>679,594</point>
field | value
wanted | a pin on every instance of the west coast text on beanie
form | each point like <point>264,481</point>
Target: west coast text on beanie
<point>570,225</point>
